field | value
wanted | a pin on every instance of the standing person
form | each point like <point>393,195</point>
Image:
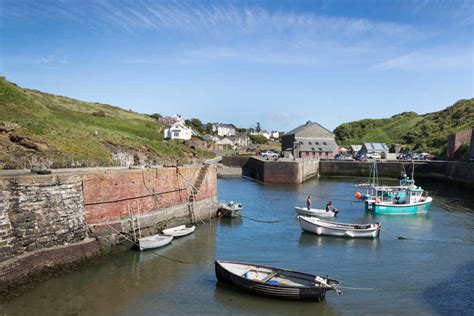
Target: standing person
<point>308,202</point>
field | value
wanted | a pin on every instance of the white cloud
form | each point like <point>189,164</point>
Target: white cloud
<point>434,60</point>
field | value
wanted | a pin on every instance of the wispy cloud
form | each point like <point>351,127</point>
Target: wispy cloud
<point>433,60</point>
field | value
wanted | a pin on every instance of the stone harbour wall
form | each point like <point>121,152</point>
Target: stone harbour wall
<point>37,213</point>
<point>59,219</point>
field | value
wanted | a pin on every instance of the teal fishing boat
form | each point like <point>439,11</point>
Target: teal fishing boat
<point>406,198</point>
<point>397,200</point>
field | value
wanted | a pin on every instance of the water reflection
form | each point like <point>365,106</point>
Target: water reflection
<point>225,221</point>
<point>248,303</point>
<point>311,240</point>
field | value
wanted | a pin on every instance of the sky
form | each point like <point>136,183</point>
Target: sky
<point>280,63</point>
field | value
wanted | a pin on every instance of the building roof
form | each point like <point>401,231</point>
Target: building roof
<point>318,144</point>
<point>224,125</point>
<point>311,129</point>
<point>376,147</point>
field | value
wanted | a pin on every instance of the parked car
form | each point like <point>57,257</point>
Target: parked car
<point>269,154</point>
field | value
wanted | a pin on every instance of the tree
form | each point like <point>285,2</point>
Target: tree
<point>258,139</point>
<point>156,116</point>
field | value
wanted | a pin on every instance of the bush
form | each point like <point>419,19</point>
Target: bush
<point>258,139</point>
<point>99,113</point>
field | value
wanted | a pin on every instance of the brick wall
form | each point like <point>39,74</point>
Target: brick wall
<point>456,140</point>
<point>113,195</point>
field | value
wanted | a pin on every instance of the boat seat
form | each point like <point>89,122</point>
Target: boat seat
<point>270,276</point>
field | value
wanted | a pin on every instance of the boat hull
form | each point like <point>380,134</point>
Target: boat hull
<point>179,231</point>
<point>314,212</point>
<point>152,243</point>
<point>320,229</point>
<point>272,291</point>
<point>397,209</point>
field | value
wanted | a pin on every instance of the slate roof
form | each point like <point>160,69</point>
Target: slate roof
<point>318,144</point>
<point>312,130</point>
<point>376,147</point>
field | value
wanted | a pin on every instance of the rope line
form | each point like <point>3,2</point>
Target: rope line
<point>267,222</point>
<point>133,197</point>
<point>306,193</point>
<point>150,250</point>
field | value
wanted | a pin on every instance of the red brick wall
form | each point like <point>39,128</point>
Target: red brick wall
<point>134,189</point>
<point>456,140</point>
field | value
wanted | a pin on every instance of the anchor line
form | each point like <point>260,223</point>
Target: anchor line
<point>402,289</point>
<point>267,222</point>
<point>150,251</point>
<point>310,194</point>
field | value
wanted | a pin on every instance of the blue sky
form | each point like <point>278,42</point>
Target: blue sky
<point>277,62</point>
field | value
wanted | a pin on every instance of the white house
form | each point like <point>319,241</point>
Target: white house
<point>178,131</point>
<point>275,134</point>
<point>226,141</point>
<point>223,129</point>
<point>265,134</point>
<point>241,140</point>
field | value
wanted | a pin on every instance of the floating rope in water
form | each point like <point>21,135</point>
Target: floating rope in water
<point>150,250</point>
<point>329,197</point>
<point>267,222</point>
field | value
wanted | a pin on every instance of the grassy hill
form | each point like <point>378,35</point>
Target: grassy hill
<point>39,128</point>
<point>428,132</point>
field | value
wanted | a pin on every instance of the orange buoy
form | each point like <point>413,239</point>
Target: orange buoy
<point>358,195</point>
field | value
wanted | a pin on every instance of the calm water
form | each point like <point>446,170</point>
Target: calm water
<point>432,273</point>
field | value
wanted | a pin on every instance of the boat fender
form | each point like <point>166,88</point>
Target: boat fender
<point>319,230</point>
<point>377,200</point>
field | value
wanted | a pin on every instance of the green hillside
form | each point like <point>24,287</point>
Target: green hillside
<point>428,132</point>
<point>39,128</point>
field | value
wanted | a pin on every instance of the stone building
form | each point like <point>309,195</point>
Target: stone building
<point>456,140</point>
<point>310,140</point>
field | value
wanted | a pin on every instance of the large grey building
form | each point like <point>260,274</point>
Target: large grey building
<point>310,140</point>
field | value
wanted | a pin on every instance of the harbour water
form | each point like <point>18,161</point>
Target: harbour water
<point>429,272</point>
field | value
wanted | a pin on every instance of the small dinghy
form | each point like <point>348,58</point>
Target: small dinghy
<point>315,212</point>
<point>230,209</point>
<point>321,227</point>
<point>154,241</point>
<point>275,282</point>
<point>179,231</point>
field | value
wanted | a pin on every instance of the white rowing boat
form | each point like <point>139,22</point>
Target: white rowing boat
<point>321,227</point>
<point>315,212</point>
<point>154,241</point>
<point>179,231</point>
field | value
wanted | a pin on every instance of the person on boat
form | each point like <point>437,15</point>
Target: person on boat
<point>308,202</point>
<point>330,207</point>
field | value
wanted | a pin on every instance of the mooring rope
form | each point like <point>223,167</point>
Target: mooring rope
<point>150,250</point>
<point>457,284</point>
<point>267,222</point>
<point>306,193</point>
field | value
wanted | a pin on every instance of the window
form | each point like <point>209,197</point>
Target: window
<point>316,143</point>
<point>310,143</point>
<point>324,143</point>
<point>176,134</point>
<point>320,149</point>
<point>312,148</point>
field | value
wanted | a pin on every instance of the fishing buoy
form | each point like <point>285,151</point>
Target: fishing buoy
<point>358,195</point>
<point>319,230</point>
<point>377,201</point>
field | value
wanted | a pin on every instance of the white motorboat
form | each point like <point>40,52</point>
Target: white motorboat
<point>315,212</point>
<point>230,209</point>
<point>154,241</point>
<point>321,227</point>
<point>179,231</point>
